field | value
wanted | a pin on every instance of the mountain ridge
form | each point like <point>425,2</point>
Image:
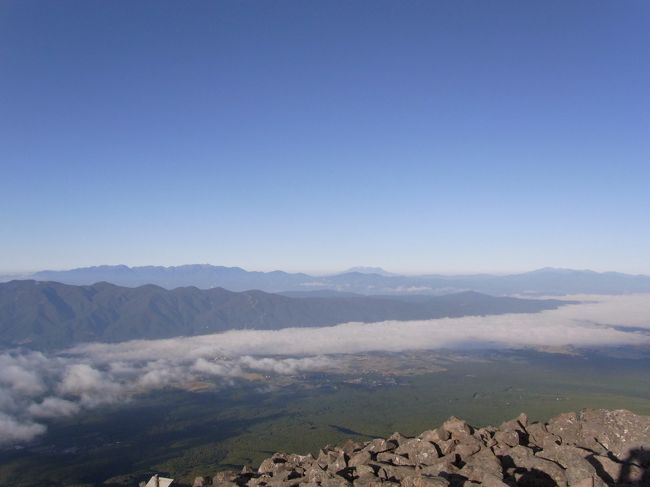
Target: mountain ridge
<point>205,276</point>
<point>50,315</point>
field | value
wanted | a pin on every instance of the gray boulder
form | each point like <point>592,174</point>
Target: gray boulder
<point>592,448</point>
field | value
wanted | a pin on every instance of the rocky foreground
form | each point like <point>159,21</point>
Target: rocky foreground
<point>593,448</point>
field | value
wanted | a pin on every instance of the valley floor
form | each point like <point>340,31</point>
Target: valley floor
<point>207,428</point>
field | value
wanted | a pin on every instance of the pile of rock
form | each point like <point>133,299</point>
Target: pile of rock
<point>593,448</point>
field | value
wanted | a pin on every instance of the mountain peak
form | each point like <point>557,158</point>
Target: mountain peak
<point>561,270</point>
<point>368,270</point>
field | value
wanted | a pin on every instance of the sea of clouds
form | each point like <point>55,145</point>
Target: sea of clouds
<point>37,387</point>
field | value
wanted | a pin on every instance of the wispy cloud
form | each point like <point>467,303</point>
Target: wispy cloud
<point>35,386</point>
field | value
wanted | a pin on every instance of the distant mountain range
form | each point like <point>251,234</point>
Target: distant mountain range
<point>368,281</point>
<point>369,270</point>
<point>50,315</point>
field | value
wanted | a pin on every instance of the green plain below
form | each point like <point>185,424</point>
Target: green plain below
<point>185,434</point>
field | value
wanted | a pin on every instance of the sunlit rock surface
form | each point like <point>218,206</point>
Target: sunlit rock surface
<point>592,448</point>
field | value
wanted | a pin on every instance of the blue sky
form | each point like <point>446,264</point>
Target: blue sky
<point>420,136</point>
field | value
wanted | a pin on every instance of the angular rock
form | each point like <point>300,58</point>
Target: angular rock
<point>446,447</point>
<point>396,472</point>
<point>586,482</point>
<point>359,458</point>
<point>316,474</point>
<point>338,463</point>
<point>201,482</point>
<point>328,456</point>
<point>349,447</point>
<point>573,460</point>
<point>593,448</point>
<point>486,436</point>
<point>566,426</point>
<point>613,472</point>
<point>398,438</point>
<point>491,481</point>
<point>224,476</point>
<point>335,482</point>
<point>364,471</point>
<point>267,466</point>
<point>481,463</point>
<point>520,423</point>
<point>393,458</point>
<point>419,481</point>
<point>296,482</point>
<point>443,465</point>
<point>300,459</point>
<point>527,469</point>
<point>433,436</point>
<point>456,427</point>
<point>379,445</point>
<point>539,436</point>
<point>418,451</point>
<point>623,433</point>
<point>508,438</point>
<point>467,447</point>
<point>370,482</point>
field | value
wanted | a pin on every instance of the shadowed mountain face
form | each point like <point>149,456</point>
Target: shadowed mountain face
<point>362,280</point>
<point>50,315</point>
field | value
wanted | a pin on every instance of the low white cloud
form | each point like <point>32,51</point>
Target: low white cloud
<point>288,366</point>
<point>596,321</point>
<point>35,386</point>
<point>23,373</point>
<point>14,430</point>
<point>54,407</point>
<point>219,369</point>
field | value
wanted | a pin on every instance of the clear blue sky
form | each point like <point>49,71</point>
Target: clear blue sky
<point>420,136</point>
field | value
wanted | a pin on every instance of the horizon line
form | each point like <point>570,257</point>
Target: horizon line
<point>323,273</point>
